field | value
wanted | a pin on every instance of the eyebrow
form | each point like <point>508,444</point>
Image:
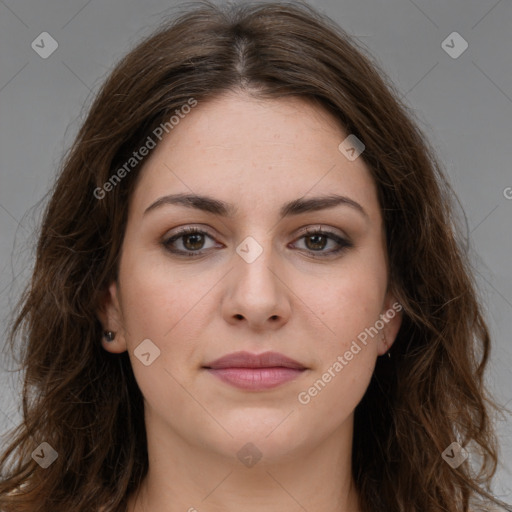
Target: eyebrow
<point>295,207</point>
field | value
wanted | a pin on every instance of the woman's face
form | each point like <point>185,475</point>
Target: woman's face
<point>252,280</point>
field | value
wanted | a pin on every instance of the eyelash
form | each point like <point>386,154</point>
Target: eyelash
<point>344,244</point>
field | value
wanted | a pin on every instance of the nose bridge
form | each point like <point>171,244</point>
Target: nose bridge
<point>257,292</point>
<point>256,260</point>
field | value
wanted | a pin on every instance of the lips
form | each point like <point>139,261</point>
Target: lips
<point>255,372</point>
<point>248,360</point>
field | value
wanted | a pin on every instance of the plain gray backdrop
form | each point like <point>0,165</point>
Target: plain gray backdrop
<point>463,102</point>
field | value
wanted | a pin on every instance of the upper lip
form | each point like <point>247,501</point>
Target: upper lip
<point>248,360</point>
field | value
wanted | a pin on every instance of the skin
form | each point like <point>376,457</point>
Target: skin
<point>257,155</point>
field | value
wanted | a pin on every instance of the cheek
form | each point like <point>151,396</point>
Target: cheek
<point>154,297</point>
<point>161,307</point>
<point>347,303</point>
<point>346,352</point>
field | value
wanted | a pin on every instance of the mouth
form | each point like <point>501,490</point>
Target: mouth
<point>255,372</point>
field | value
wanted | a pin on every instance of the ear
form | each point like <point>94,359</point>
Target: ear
<point>110,315</point>
<point>391,317</point>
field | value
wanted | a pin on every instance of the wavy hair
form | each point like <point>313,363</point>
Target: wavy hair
<point>85,402</point>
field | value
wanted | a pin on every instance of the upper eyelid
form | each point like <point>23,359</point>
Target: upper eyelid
<point>343,243</point>
<point>340,239</point>
<point>184,230</point>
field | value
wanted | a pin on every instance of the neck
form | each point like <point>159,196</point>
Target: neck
<point>189,478</point>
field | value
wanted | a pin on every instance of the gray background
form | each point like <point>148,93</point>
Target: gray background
<point>464,105</point>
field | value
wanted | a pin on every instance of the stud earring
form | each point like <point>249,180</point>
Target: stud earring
<point>109,335</point>
<point>386,344</point>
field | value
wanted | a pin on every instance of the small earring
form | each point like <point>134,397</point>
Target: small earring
<point>386,344</point>
<point>109,335</point>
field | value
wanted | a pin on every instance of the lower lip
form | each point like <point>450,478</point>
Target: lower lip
<point>256,379</point>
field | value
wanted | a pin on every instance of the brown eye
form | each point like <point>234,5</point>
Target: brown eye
<point>192,241</point>
<point>317,240</point>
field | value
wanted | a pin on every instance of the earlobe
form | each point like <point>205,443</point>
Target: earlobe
<point>391,317</point>
<point>113,343</point>
<point>109,314</point>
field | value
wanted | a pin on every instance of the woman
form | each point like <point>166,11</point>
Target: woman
<point>248,294</point>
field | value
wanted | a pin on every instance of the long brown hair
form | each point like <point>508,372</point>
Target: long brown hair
<point>85,403</point>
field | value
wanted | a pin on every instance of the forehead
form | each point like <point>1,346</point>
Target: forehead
<point>255,151</point>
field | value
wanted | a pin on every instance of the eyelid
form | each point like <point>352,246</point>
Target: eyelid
<point>315,228</point>
<point>191,229</point>
<point>312,229</point>
<point>342,241</point>
<point>183,231</point>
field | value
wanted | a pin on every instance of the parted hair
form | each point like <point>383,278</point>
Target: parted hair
<point>85,402</point>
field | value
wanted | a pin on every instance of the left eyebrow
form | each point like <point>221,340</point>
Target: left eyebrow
<point>223,209</point>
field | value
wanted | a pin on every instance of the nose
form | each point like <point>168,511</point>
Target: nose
<point>256,292</point>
